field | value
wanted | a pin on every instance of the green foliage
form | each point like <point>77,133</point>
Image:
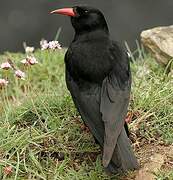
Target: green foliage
<point>152,94</point>
<point>163,175</point>
<point>40,130</point>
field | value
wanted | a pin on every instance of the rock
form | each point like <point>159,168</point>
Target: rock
<point>153,166</point>
<point>159,41</point>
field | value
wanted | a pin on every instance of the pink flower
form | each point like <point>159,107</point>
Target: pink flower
<point>54,45</point>
<point>49,45</point>
<point>44,44</point>
<point>20,74</point>
<point>6,65</point>
<point>8,170</point>
<point>30,60</point>
<point>3,82</point>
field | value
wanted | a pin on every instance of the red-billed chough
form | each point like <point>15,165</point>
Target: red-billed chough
<point>99,80</point>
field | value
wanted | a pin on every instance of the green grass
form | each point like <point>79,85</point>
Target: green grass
<point>153,96</point>
<point>40,130</point>
<point>165,175</point>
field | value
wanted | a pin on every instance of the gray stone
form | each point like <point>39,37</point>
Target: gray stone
<point>159,41</point>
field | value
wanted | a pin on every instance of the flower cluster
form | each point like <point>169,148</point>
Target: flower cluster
<point>49,45</point>
<point>6,66</point>
<point>29,61</point>
<point>20,74</point>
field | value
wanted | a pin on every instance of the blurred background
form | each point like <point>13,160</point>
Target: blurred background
<point>29,20</point>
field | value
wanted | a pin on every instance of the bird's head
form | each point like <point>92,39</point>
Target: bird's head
<point>84,18</point>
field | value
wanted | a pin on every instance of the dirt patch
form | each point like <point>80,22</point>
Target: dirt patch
<point>153,166</point>
<point>152,157</point>
<point>145,153</point>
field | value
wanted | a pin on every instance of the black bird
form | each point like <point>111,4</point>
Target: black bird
<point>99,80</point>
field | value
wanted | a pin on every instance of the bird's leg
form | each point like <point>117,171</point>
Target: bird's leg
<point>127,129</point>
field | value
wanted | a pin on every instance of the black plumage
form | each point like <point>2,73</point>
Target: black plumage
<point>99,80</point>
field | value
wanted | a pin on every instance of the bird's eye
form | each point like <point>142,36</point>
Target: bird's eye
<point>81,11</point>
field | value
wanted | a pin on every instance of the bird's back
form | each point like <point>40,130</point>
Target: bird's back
<point>88,58</point>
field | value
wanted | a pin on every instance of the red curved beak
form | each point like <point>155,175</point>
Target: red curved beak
<point>64,11</point>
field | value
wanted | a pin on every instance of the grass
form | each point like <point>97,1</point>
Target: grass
<point>41,134</point>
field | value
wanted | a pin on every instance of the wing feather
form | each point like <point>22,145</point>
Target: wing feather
<point>114,104</point>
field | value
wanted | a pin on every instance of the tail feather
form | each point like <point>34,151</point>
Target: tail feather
<point>123,157</point>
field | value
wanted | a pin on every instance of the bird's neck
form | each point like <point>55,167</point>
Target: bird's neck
<point>91,35</point>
